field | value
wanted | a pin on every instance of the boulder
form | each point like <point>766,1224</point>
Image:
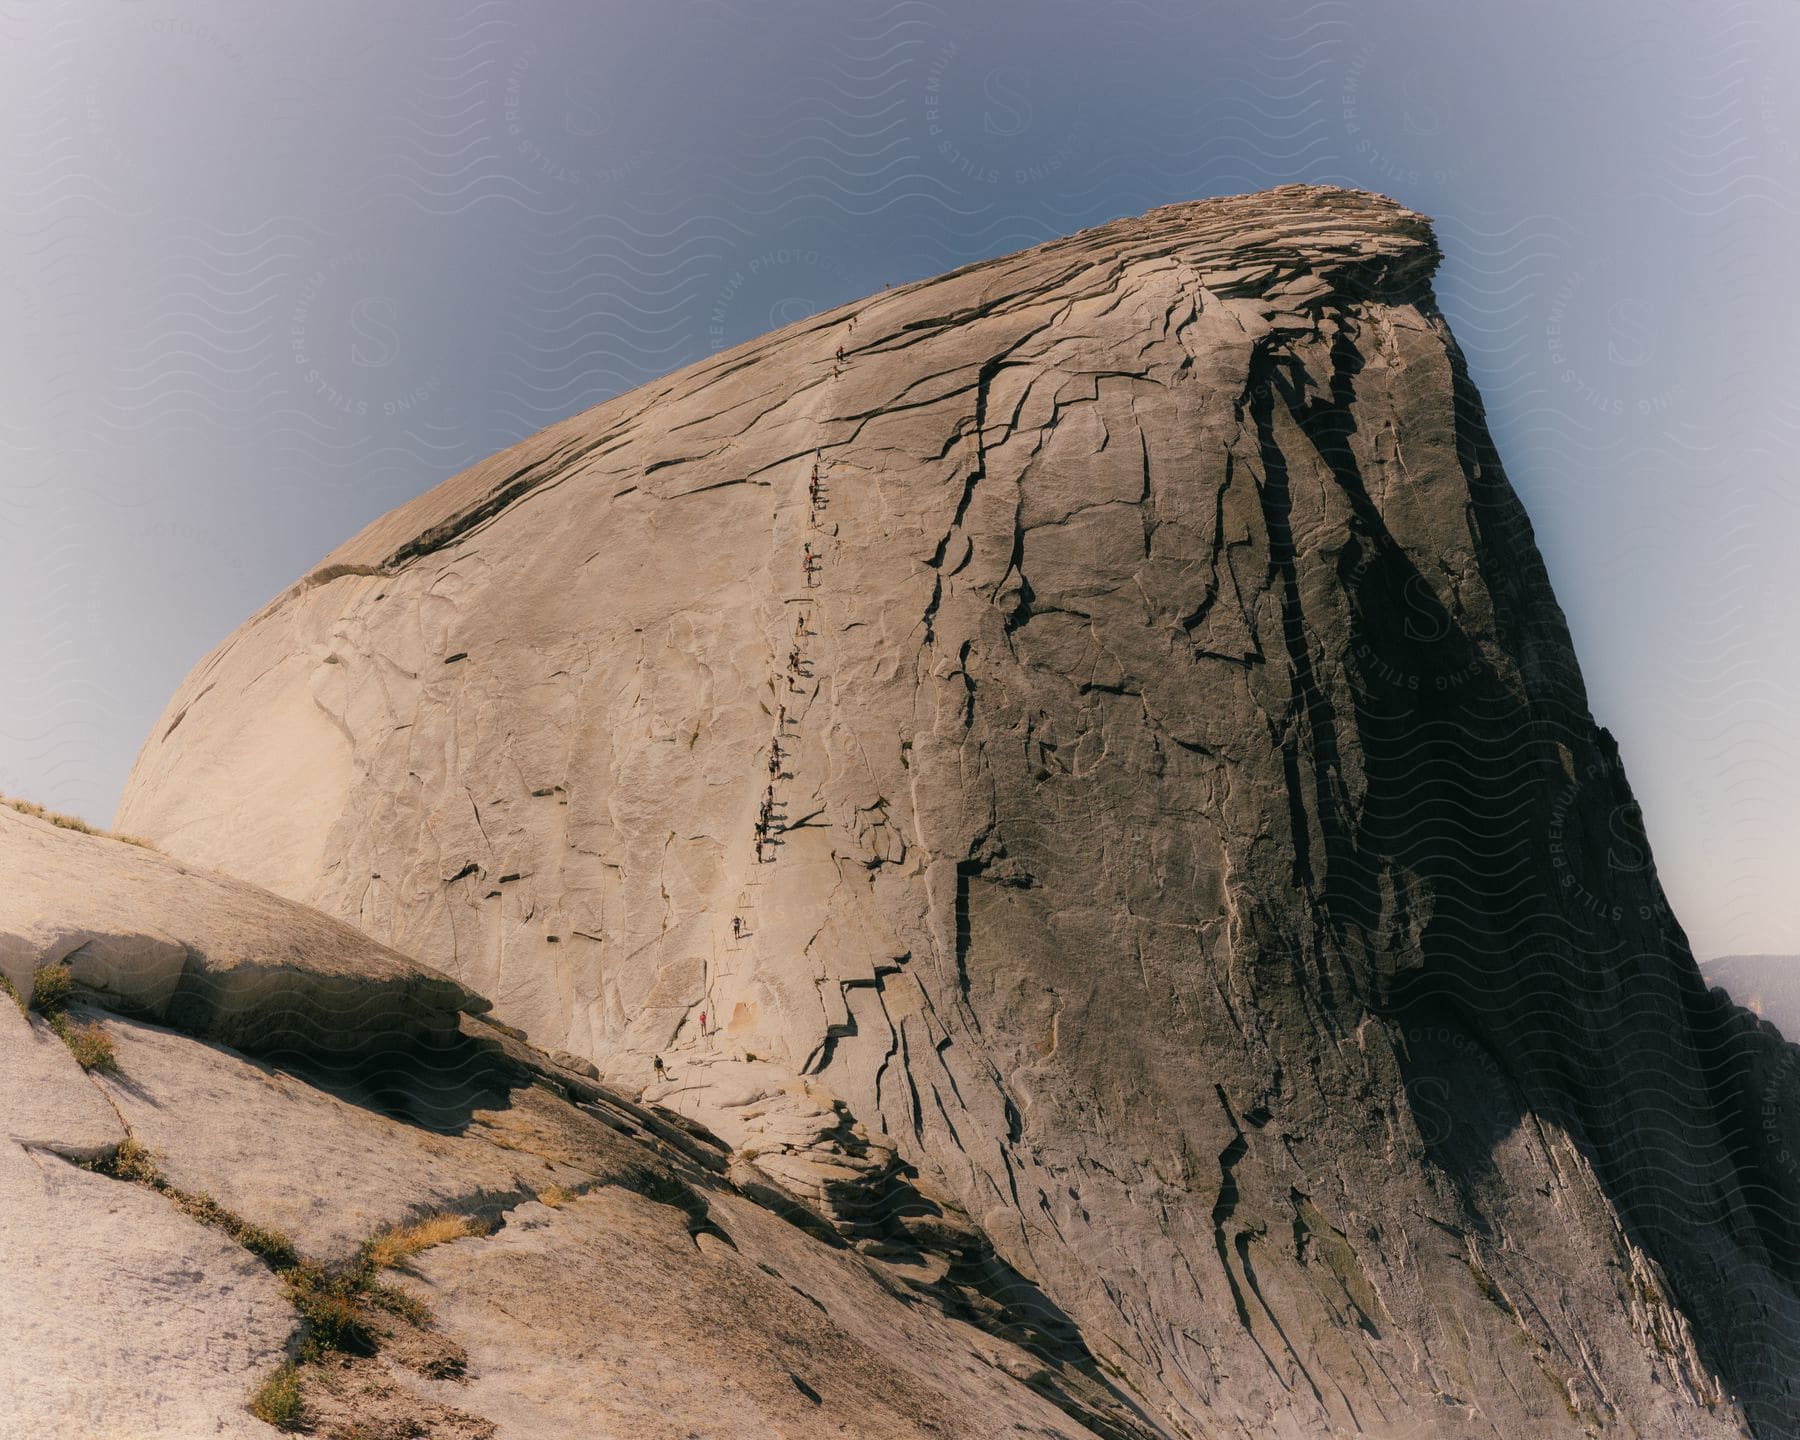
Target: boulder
<point>152,936</point>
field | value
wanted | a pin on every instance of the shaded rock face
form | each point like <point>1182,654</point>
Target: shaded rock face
<point>149,936</point>
<point>1189,853</point>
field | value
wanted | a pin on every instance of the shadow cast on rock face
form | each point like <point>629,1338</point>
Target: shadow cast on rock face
<point>1490,891</point>
<point>1459,1094</point>
<point>434,1082</point>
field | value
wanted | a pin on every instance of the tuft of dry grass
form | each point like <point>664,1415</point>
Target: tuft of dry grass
<point>72,822</point>
<point>131,1161</point>
<point>56,818</point>
<point>557,1196</point>
<point>397,1246</point>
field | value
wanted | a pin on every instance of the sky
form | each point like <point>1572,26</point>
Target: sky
<point>266,271</point>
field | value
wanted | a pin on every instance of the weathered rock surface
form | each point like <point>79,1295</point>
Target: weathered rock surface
<point>629,1287</point>
<point>49,1103</point>
<point>745,1328</point>
<point>152,936</point>
<point>118,1318</point>
<point>1188,852</point>
<point>325,1171</point>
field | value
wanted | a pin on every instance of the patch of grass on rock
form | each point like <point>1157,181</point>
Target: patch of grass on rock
<point>91,1046</point>
<point>270,1246</point>
<point>333,1307</point>
<point>277,1400</point>
<point>131,1161</point>
<point>52,987</point>
<point>397,1246</point>
<point>72,822</point>
<point>344,1311</point>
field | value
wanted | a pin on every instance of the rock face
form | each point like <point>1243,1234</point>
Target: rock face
<point>118,1317</point>
<point>153,937</point>
<point>1188,860</point>
<point>624,1276</point>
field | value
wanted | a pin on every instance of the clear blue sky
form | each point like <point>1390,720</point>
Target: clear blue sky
<point>268,270</point>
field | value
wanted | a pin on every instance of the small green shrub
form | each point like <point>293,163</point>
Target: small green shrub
<point>131,1160</point>
<point>277,1400</point>
<point>397,1302</point>
<point>91,1046</point>
<point>270,1246</point>
<point>51,988</point>
<point>329,1305</point>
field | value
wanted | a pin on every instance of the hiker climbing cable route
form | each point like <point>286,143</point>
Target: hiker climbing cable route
<point>766,846</point>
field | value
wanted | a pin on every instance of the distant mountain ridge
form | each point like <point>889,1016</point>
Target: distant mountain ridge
<point>1768,985</point>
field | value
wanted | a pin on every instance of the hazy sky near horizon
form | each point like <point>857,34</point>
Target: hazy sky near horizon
<point>267,271</point>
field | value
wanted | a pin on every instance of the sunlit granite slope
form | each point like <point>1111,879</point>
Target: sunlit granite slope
<point>1085,743</point>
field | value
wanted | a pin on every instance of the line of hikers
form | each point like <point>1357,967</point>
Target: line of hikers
<point>811,562</point>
